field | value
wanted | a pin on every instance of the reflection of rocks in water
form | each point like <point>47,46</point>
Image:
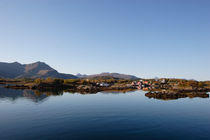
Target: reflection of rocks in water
<point>48,92</point>
<point>29,94</point>
<point>171,95</point>
<point>114,91</point>
<point>119,91</point>
<point>79,92</point>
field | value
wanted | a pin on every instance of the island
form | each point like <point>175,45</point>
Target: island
<point>156,88</point>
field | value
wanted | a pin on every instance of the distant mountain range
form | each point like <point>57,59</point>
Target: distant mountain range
<point>34,70</point>
<point>42,70</point>
<point>107,75</point>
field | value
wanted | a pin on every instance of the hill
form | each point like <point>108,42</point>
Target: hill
<point>108,75</point>
<point>34,70</point>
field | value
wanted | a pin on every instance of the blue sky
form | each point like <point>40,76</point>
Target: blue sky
<point>147,38</point>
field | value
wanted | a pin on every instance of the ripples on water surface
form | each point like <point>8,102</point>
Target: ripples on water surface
<point>30,115</point>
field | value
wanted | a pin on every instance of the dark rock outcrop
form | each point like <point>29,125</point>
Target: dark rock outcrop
<point>170,95</point>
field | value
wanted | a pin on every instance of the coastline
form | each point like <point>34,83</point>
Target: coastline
<point>162,89</point>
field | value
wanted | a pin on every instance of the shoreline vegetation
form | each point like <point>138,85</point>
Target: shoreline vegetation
<point>77,85</point>
<point>163,88</point>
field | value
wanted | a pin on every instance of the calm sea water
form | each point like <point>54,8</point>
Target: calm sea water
<point>29,115</point>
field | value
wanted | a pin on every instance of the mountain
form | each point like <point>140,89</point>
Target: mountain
<point>79,75</point>
<point>34,70</point>
<point>11,70</point>
<point>107,75</point>
<point>42,70</point>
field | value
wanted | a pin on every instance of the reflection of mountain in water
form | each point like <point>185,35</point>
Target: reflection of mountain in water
<point>33,95</point>
<point>176,95</point>
<point>13,95</point>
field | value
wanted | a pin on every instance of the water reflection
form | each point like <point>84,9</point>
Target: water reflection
<point>12,95</point>
<point>40,96</point>
<point>32,95</point>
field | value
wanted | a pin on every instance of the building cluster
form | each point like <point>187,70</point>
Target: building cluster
<point>103,84</point>
<point>142,84</point>
<point>149,84</point>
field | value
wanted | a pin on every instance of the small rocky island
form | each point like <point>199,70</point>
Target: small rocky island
<point>169,89</point>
